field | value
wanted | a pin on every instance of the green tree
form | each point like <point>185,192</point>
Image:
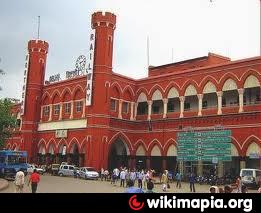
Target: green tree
<point>7,121</point>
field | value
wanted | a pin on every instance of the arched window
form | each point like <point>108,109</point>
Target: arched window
<point>191,99</point>
<point>209,96</point>
<point>230,94</point>
<point>173,100</point>
<point>142,108</point>
<point>157,103</point>
<point>251,91</point>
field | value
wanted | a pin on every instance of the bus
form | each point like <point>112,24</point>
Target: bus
<point>11,162</point>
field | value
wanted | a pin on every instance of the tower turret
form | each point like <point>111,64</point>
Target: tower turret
<point>104,24</point>
<point>32,92</point>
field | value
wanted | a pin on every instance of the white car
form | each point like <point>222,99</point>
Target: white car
<point>32,167</point>
<point>88,173</point>
<point>251,177</point>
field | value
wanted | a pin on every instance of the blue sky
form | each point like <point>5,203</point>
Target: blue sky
<point>188,28</point>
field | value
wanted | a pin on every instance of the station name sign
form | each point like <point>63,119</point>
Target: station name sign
<point>74,73</point>
<point>54,78</point>
<point>90,69</point>
<point>24,85</point>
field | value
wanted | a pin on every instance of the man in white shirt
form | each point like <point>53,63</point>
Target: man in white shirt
<point>117,174</point>
<point>133,176</point>
<point>19,182</point>
<point>122,177</point>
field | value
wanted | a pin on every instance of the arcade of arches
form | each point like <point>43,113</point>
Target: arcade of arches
<point>71,156</point>
<point>120,156</point>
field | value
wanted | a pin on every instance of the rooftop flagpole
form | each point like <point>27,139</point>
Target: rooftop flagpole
<point>148,51</point>
<point>38,30</point>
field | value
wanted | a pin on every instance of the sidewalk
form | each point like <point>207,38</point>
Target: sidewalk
<point>3,184</point>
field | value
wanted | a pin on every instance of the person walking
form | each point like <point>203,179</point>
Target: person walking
<point>178,178</point>
<point>192,182</point>
<point>164,181</point>
<point>140,178</point>
<point>122,177</point>
<point>19,182</point>
<point>102,174</point>
<point>239,184</point>
<point>34,180</point>
<point>133,176</point>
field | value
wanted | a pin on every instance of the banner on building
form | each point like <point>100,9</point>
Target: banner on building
<point>24,85</point>
<point>89,69</point>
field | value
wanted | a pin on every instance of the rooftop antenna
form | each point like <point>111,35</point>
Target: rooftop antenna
<point>148,51</point>
<point>38,30</point>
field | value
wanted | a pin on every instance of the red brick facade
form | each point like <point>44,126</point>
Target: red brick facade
<point>95,129</point>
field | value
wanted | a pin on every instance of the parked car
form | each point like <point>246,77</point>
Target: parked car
<point>55,169</point>
<point>32,167</point>
<point>250,177</point>
<point>66,170</point>
<point>64,163</point>
<point>88,173</point>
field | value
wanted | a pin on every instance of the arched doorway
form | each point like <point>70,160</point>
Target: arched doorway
<point>232,167</point>
<point>141,158</point>
<point>51,154</point>
<point>171,159</point>
<point>41,155</point>
<point>252,156</point>
<point>74,155</point>
<point>156,159</point>
<point>62,153</point>
<point>118,155</point>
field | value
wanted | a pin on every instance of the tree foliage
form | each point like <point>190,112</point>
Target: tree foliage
<point>7,121</point>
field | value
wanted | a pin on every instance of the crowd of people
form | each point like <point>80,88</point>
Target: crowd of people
<point>144,179</point>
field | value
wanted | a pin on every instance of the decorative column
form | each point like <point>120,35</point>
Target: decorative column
<point>135,110</point>
<point>148,163</point>
<point>242,164</point>
<point>57,158</point>
<point>61,111</point>
<point>241,100</point>
<point>132,108</point>
<point>51,113</point>
<point>133,162</point>
<point>181,168</point>
<point>120,109</point>
<point>41,118</point>
<point>164,163</point>
<point>200,168</point>
<point>182,100</point>
<point>220,169</point>
<point>149,109</point>
<point>219,96</point>
<point>71,115</point>
<point>83,108</point>
<point>165,108</point>
<point>200,97</point>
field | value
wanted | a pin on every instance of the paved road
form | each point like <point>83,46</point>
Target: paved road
<point>54,184</point>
